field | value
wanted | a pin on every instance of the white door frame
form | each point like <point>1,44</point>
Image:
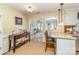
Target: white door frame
<point>1,33</point>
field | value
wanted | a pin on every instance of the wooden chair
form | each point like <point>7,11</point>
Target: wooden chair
<point>49,42</point>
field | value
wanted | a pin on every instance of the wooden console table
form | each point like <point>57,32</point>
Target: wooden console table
<point>17,37</point>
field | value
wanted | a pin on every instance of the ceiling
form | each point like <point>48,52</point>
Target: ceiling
<point>42,7</point>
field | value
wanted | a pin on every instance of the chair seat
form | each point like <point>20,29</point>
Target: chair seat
<point>52,49</point>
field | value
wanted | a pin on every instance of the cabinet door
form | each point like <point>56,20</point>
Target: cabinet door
<point>70,17</point>
<point>65,47</point>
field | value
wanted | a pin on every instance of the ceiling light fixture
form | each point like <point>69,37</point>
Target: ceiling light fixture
<point>29,9</point>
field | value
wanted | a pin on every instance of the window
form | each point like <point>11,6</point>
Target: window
<point>51,24</point>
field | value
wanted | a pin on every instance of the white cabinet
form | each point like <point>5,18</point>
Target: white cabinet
<point>70,17</point>
<point>66,47</point>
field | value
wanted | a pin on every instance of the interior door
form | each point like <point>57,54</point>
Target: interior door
<point>1,33</point>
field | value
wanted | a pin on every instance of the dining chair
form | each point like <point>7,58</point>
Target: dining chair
<point>49,43</point>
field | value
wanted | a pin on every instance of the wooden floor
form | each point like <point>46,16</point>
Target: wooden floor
<point>31,48</point>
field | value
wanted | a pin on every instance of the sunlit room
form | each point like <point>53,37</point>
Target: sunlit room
<point>39,28</point>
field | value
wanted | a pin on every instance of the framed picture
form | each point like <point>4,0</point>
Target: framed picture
<point>18,21</point>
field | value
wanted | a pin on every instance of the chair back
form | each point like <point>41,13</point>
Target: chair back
<point>46,35</point>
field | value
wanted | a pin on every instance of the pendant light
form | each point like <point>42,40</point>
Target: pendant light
<point>61,14</point>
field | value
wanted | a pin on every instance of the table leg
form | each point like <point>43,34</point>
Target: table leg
<point>14,44</point>
<point>9,43</point>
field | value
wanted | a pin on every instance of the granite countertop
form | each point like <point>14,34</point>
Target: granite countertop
<point>63,36</point>
<point>75,35</point>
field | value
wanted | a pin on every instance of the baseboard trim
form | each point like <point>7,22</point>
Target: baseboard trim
<point>5,53</point>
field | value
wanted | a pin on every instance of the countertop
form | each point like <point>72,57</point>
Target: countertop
<point>63,36</point>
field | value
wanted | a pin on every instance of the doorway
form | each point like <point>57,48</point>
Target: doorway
<point>1,33</point>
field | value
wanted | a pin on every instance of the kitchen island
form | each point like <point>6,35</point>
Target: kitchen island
<point>65,44</point>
